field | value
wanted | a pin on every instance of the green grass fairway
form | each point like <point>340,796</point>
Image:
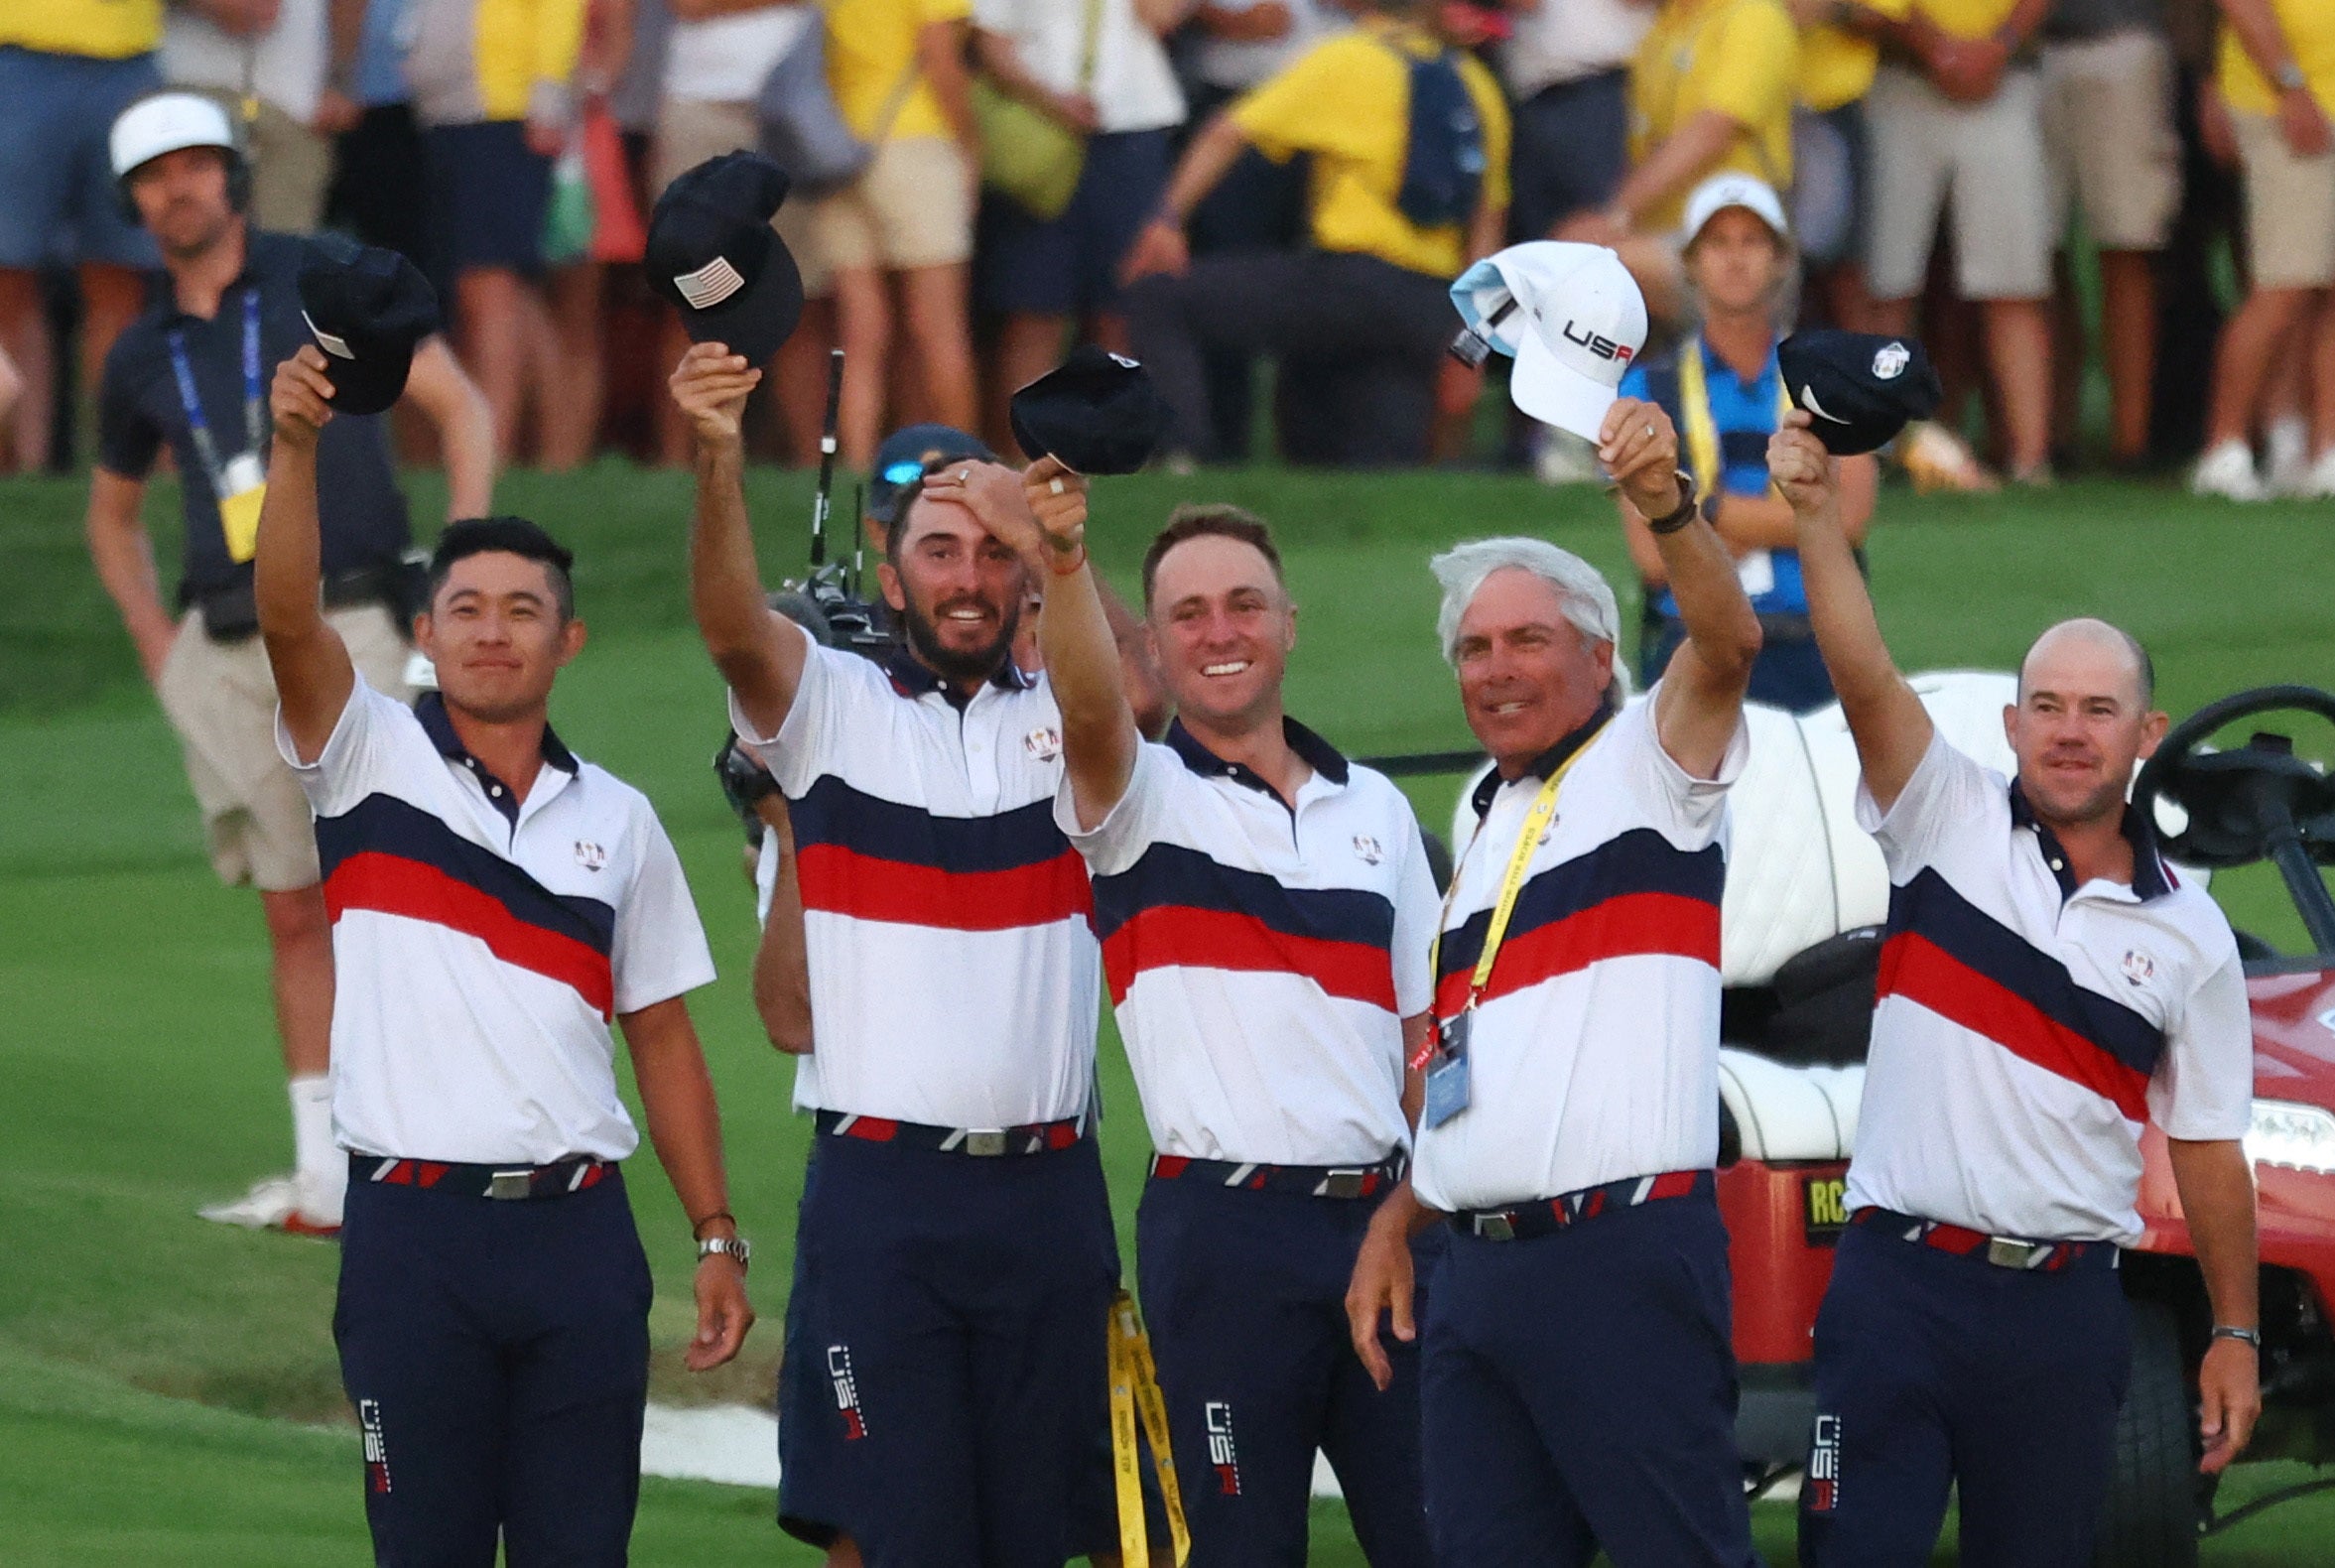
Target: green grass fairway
<point>168,1392</point>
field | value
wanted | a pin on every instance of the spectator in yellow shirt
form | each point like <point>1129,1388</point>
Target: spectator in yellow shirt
<point>67,68</point>
<point>1400,203</point>
<point>2277,76</point>
<point>898,72</point>
<point>1711,89</point>
<point>1955,118</point>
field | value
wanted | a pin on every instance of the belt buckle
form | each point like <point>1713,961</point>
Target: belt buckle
<point>511,1184</point>
<point>989,1145</point>
<point>2008,1252</point>
<point>1344,1183</point>
<point>1495,1228</point>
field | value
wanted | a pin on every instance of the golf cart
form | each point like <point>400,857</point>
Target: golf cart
<point>1801,923</point>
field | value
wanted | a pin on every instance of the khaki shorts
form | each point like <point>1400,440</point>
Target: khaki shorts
<point>690,131</point>
<point>911,209</point>
<point>2289,207</point>
<point>291,167</point>
<point>2108,131</point>
<point>221,699</point>
<point>1984,161</point>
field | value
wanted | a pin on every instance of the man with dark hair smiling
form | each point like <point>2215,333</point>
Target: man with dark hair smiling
<point>944,1394</point>
<point>2048,989</point>
<point>1264,908</point>
<point>495,905</point>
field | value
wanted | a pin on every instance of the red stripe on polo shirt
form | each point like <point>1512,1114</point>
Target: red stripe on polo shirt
<point>1624,926</point>
<point>1172,936</point>
<point>390,884</point>
<point>1929,976</point>
<point>840,881</point>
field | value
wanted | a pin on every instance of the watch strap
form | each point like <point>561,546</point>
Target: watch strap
<point>1671,522</point>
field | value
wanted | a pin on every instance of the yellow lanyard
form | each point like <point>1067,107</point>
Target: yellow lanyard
<point>1701,430</point>
<point>1536,821</point>
<point>1134,1390</point>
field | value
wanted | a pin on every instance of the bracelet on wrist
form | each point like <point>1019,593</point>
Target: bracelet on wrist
<point>2230,1331</point>
<point>1679,516</point>
<point>1068,562</point>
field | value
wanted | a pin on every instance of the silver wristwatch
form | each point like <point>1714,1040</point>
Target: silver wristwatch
<point>736,1247</point>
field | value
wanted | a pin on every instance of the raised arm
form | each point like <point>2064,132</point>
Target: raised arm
<point>1042,514</point>
<point>1701,702</point>
<point>465,422</point>
<point>314,678</point>
<point>757,652</point>
<point>1890,726</point>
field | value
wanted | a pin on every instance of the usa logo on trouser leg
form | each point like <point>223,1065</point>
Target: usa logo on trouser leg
<point>839,1372</point>
<point>1824,1466</point>
<point>368,1421</point>
<point>1216,1415</point>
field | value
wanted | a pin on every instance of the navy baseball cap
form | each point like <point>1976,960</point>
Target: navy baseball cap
<point>367,309</point>
<point>1096,413</point>
<point>901,461</point>
<point>1860,389</point>
<point>712,253</point>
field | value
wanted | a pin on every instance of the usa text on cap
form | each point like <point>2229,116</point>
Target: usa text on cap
<point>712,253</point>
<point>1573,317</point>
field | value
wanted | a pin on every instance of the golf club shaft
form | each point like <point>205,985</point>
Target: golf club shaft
<point>826,458</point>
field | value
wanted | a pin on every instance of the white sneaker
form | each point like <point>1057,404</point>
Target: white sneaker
<point>2287,470</point>
<point>271,1201</point>
<point>2319,483</point>
<point>2228,471</point>
<point>279,1203</point>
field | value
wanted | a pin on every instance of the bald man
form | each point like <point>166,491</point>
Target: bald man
<point>2047,987</point>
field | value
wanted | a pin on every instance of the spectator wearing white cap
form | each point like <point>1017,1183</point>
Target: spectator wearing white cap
<point>1724,390</point>
<point>1577,1379</point>
<point>2277,77</point>
<point>2108,128</point>
<point>1956,120</point>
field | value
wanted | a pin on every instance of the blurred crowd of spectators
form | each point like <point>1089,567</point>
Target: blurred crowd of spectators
<point>2034,185</point>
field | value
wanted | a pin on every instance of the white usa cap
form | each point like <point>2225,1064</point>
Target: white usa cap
<point>165,123</point>
<point>1721,192</point>
<point>1572,316</point>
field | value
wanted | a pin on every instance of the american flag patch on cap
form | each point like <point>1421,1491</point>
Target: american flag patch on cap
<point>711,284</point>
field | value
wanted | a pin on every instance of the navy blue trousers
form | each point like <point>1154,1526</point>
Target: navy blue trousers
<point>1579,1391</point>
<point>497,1355</point>
<point>945,1396</point>
<point>1244,1297</point>
<point>1938,1372</point>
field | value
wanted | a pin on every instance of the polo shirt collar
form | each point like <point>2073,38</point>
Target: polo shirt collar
<point>912,679</point>
<point>1716,365</point>
<point>430,707</point>
<point>1547,765</point>
<point>1324,758</point>
<point>2149,879</point>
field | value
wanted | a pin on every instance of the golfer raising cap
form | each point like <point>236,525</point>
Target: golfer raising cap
<point>186,376</point>
<point>2049,987</point>
<point>1265,907</point>
<point>1578,1382</point>
<point>944,1392</point>
<point>496,904</point>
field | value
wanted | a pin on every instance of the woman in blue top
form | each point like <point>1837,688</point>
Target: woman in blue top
<point>1723,391</point>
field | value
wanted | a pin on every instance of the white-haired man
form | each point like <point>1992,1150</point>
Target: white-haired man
<point>1577,1379</point>
<point>2048,987</point>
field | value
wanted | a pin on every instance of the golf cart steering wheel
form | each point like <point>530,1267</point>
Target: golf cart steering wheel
<point>2245,803</point>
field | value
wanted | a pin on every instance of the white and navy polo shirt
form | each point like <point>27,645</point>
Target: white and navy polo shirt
<point>1262,958</point>
<point>1593,1054</point>
<point>480,945</point>
<point>2027,1027</point>
<point>954,976</point>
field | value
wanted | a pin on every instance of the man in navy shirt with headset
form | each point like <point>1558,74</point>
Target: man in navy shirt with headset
<point>187,377</point>
<point>496,904</point>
